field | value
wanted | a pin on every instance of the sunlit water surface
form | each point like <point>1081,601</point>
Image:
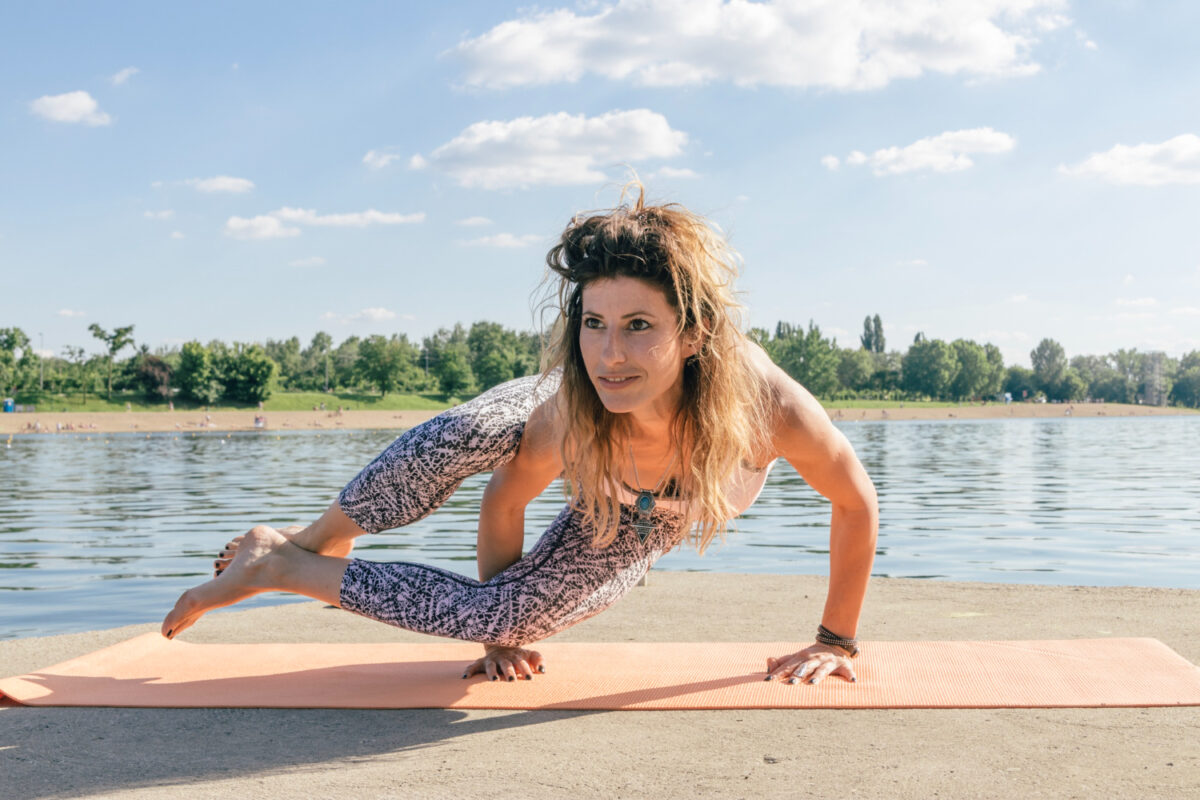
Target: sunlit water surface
<point>102,531</point>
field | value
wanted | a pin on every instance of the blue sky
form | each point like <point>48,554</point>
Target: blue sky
<point>1000,170</point>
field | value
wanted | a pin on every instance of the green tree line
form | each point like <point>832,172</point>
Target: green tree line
<point>460,361</point>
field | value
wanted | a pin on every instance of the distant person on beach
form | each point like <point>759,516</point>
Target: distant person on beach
<point>661,416</point>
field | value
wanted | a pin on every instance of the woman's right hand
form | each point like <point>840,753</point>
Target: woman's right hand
<point>508,663</point>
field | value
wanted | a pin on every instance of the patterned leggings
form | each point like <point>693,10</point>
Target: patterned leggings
<point>561,581</point>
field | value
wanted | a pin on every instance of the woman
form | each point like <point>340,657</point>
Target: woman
<point>662,418</point>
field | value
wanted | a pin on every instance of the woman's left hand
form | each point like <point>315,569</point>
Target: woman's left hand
<point>812,664</point>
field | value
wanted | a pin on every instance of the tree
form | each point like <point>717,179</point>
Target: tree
<point>286,355</point>
<point>972,373</point>
<point>388,364</point>
<point>855,369</point>
<point>493,353</point>
<point>316,363</point>
<point>872,335</point>
<point>1049,365</point>
<point>1020,382</point>
<point>114,342</point>
<point>344,361</point>
<point>154,376</point>
<point>929,367</point>
<point>197,376</point>
<point>807,356</point>
<point>1071,387</point>
<point>450,360</point>
<point>247,372</point>
<point>1186,391</point>
<point>18,362</point>
<point>995,379</point>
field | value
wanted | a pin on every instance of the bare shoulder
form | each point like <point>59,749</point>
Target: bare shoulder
<point>799,423</point>
<point>542,437</point>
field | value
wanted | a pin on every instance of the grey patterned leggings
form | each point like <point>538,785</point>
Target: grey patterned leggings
<point>561,581</point>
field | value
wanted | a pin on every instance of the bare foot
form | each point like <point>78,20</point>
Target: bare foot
<point>248,573</point>
<point>339,549</point>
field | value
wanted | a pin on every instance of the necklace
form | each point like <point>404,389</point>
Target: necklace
<point>644,504</point>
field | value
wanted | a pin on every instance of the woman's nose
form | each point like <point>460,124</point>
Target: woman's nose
<point>614,351</point>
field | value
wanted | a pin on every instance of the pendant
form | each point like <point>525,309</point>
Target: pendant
<point>644,505</point>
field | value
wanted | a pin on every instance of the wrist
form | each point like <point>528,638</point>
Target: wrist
<point>830,639</point>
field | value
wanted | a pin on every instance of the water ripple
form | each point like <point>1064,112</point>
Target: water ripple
<point>108,530</point>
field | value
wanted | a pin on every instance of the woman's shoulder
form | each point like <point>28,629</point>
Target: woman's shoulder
<point>791,408</point>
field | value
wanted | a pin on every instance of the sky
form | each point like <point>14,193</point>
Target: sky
<point>996,170</point>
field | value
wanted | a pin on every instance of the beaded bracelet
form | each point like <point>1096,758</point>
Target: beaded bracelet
<point>828,637</point>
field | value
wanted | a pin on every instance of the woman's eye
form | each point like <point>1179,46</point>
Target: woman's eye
<point>591,322</point>
<point>639,325</point>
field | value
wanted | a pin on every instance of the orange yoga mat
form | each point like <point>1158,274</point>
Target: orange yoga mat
<point>151,671</point>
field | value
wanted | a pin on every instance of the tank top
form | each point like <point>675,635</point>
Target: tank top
<point>743,488</point>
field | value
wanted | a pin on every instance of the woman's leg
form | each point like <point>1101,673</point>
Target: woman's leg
<point>410,479</point>
<point>265,561</point>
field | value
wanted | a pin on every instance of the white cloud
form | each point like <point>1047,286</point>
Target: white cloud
<point>1186,311</point>
<point>166,213</point>
<point>359,219</point>
<point>506,240</point>
<point>831,163</point>
<point>260,227</point>
<point>474,222</point>
<point>1128,279</point>
<point>272,225</point>
<point>1137,302</point>
<point>913,262</point>
<point>374,314</point>
<point>366,315</point>
<point>1019,298</point>
<point>177,235</point>
<point>221,183</point>
<point>378,159</point>
<point>417,162</point>
<point>1175,161</point>
<point>66,312</point>
<point>124,75</point>
<point>946,152</point>
<point>43,353</point>
<point>554,150</point>
<point>1131,316</point>
<point>842,44</point>
<point>311,261</point>
<point>675,173</point>
<point>70,107</point>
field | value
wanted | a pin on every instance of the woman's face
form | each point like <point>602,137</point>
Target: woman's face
<point>630,346</point>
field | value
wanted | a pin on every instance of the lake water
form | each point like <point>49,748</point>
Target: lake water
<point>108,530</point>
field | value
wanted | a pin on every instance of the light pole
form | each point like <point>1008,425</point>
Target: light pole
<point>41,362</point>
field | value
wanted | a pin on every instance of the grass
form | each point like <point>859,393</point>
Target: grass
<point>279,401</point>
<point>868,404</point>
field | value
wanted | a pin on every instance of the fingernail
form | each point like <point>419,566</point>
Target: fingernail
<point>542,669</point>
<point>494,677</point>
<point>769,677</point>
<point>170,632</point>
<point>813,680</point>
<point>528,677</point>
<point>511,678</point>
<point>793,680</point>
<point>464,676</point>
<point>854,680</point>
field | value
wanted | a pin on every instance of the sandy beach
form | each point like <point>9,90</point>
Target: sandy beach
<point>225,421</point>
<point>222,753</point>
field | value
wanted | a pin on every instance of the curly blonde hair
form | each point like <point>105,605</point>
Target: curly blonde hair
<point>722,421</point>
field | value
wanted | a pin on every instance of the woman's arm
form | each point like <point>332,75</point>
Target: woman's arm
<point>502,528</point>
<point>511,488</point>
<point>804,435</point>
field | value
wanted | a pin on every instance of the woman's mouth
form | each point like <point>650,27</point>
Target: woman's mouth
<point>615,381</point>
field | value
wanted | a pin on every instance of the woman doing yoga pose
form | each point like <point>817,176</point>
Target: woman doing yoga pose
<point>662,418</point>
